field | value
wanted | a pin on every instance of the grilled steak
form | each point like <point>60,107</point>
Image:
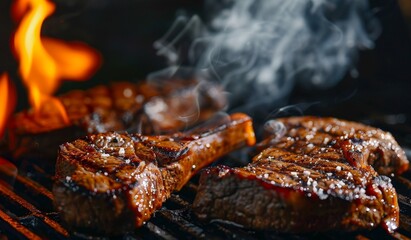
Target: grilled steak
<point>144,107</point>
<point>312,174</point>
<point>111,183</point>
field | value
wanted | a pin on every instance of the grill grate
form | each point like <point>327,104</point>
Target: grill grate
<point>26,212</point>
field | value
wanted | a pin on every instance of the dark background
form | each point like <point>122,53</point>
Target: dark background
<point>124,32</point>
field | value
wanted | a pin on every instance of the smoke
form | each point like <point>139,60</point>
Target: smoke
<point>260,49</point>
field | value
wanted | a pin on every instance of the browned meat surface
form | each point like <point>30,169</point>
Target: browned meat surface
<point>312,174</point>
<point>144,107</point>
<point>338,140</point>
<point>111,183</point>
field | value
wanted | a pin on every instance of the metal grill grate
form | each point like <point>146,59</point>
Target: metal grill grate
<point>26,212</point>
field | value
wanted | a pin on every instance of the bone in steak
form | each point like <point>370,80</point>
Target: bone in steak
<point>312,174</point>
<point>111,183</point>
<point>143,107</point>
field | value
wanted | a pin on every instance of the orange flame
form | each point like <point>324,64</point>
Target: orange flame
<point>7,101</point>
<point>19,8</point>
<point>44,62</point>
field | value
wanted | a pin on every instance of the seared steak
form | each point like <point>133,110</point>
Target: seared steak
<point>312,174</point>
<point>110,183</point>
<point>144,107</point>
<point>337,140</point>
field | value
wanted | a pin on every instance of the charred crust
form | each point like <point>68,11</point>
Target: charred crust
<point>326,165</point>
<point>129,178</point>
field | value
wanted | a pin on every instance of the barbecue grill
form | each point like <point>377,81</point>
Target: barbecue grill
<point>26,201</point>
<point>26,212</point>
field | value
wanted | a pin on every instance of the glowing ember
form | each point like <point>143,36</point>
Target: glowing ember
<point>44,62</point>
<point>7,101</point>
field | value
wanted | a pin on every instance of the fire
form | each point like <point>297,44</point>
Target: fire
<point>44,62</point>
<point>7,101</point>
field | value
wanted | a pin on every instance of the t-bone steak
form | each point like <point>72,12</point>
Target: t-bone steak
<point>111,183</point>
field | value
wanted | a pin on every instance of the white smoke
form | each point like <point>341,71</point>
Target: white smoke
<point>259,49</point>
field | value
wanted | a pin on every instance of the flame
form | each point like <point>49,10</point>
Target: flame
<point>44,62</point>
<point>19,8</point>
<point>7,101</point>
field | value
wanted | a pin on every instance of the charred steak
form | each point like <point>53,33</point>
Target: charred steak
<point>145,107</point>
<point>312,174</point>
<point>110,183</point>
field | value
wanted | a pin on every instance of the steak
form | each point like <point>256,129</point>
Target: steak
<point>312,174</point>
<point>145,107</point>
<point>111,183</point>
